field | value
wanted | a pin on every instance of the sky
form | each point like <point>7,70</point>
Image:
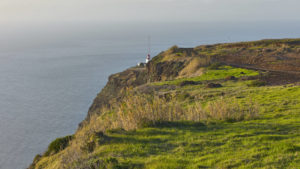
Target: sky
<point>39,11</point>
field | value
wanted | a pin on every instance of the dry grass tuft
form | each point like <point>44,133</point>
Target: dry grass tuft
<point>231,110</point>
<point>193,68</point>
<point>138,111</point>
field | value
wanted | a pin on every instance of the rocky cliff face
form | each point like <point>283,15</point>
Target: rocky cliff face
<point>116,87</point>
<point>164,70</point>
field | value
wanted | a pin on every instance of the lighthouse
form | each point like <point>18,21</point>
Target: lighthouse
<point>148,58</point>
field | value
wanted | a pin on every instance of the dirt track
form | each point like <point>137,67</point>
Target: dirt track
<point>273,77</point>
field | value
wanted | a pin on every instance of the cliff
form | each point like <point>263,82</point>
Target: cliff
<point>213,106</point>
<point>116,87</point>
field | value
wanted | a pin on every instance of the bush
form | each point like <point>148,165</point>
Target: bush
<point>174,49</point>
<point>214,66</point>
<point>58,145</point>
<point>231,78</point>
<point>187,82</point>
<point>89,147</point>
<point>92,140</point>
<point>213,85</point>
<point>256,83</point>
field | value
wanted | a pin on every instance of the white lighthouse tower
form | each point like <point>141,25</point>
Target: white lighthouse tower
<point>148,58</point>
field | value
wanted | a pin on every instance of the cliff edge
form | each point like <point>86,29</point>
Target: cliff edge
<point>233,105</point>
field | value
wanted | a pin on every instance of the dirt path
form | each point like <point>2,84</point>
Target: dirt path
<point>261,69</point>
<point>273,77</point>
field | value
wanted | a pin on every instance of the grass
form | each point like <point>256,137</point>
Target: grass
<point>272,141</point>
<point>269,141</point>
<point>216,74</point>
<point>225,136</point>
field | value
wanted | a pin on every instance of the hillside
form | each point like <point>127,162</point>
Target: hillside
<point>234,105</point>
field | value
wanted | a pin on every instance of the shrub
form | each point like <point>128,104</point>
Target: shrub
<point>231,77</point>
<point>256,83</point>
<point>188,82</point>
<point>58,145</point>
<point>92,140</point>
<point>179,54</point>
<point>213,85</point>
<point>174,49</point>
<point>89,146</point>
<point>214,66</point>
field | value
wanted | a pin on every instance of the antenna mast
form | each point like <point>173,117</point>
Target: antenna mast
<point>149,45</point>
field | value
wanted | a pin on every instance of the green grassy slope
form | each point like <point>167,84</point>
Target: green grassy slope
<point>216,74</point>
<point>270,141</point>
<point>182,78</point>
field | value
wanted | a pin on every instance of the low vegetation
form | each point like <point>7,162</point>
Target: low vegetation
<point>142,111</point>
<point>230,131</point>
<point>256,83</point>
<point>215,73</point>
<point>205,115</point>
<point>58,145</point>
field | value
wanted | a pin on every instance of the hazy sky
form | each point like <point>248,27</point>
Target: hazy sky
<point>147,10</point>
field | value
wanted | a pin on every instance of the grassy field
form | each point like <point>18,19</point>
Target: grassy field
<point>209,116</point>
<point>272,140</point>
<point>214,74</point>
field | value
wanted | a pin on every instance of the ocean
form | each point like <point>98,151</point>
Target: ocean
<point>51,72</point>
